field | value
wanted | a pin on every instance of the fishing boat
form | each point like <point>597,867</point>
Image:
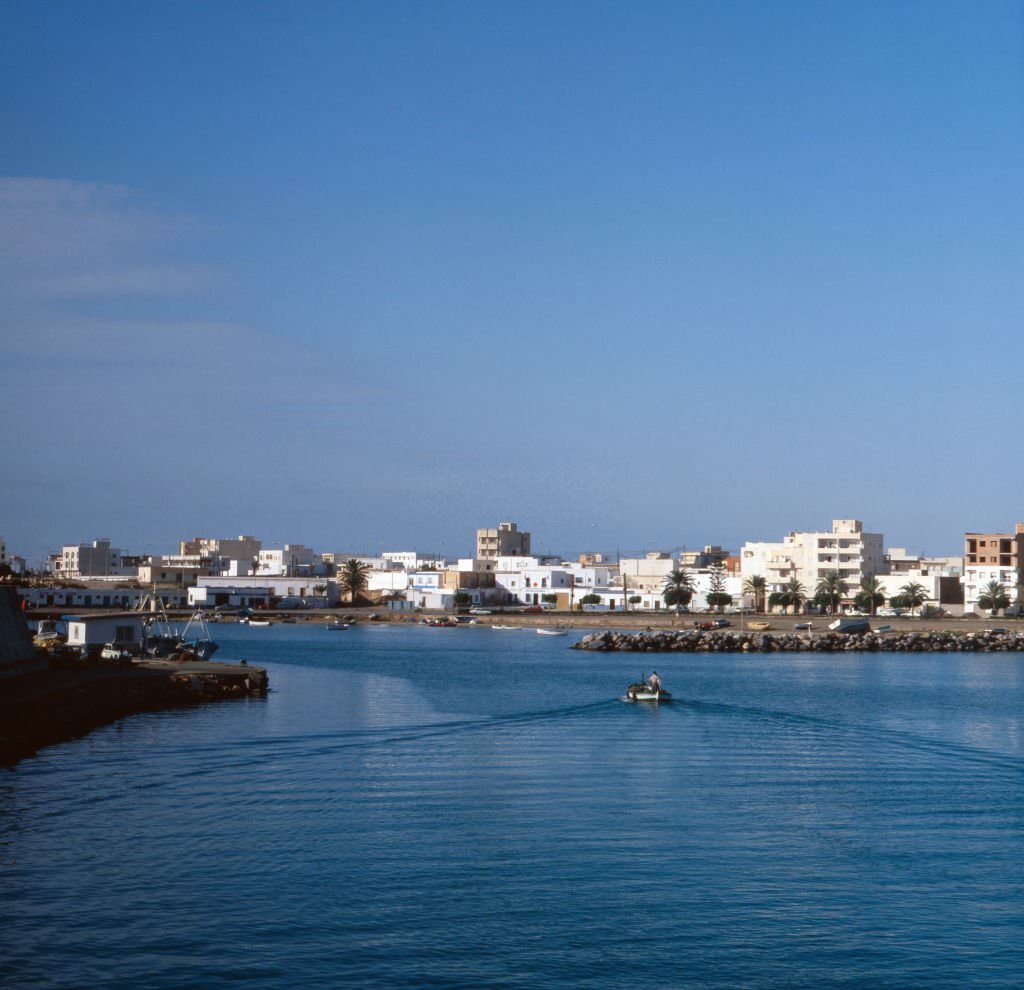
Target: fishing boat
<point>162,639</point>
<point>195,638</point>
<point>644,690</point>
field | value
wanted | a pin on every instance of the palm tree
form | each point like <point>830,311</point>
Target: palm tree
<point>678,590</point>
<point>830,590</point>
<point>795,594</point>
<point>994,597</point>
<point>871,595</point>
<point>353,577</point>
<point>756,585</point>
<point>255,565</point>
<point>913,595</point>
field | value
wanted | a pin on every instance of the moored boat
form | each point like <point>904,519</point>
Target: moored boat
<point>552,632</point>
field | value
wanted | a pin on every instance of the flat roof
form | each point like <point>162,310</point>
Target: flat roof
<point>105,615</point>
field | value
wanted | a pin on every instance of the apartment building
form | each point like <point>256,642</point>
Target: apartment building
<point>993,557</point>
<point>809,556</point>
<point>505,541</point>
<point>96,559</point>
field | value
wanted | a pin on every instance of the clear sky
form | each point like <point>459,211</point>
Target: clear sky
<point>369,275</point>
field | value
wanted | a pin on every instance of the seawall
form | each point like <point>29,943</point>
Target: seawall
<point>693,641</point>
<point>55,705</point>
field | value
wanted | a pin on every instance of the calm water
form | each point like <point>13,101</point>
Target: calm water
<point>417,807</point>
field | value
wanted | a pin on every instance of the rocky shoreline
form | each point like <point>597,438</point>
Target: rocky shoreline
<point>693,641</point>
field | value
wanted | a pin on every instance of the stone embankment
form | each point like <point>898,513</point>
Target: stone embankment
<point>56,705</point>
<point>692,641</point>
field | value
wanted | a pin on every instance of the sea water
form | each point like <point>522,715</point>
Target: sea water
<point>472,808</point>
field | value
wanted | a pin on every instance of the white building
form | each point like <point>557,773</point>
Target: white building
<point>97,559</point>
<point>312,590</point>
<point>648,573</point>
<point>410,560</point>
<point>808,557</point>
<point>292,560</point>
<point>535,585</point>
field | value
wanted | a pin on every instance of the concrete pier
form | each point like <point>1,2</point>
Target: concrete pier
<point>65,702</point>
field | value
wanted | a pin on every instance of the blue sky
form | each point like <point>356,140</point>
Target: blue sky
<point>370,275</point>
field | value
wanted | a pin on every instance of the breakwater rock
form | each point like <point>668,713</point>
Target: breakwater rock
<point>693,641</point>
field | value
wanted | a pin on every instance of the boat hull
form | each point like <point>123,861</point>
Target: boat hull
<point>641,692</point>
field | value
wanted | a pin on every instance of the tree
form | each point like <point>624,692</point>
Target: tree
<point>870,595</point>
<point>255,565</point>
<point>994,597</point>
<point>830,591</point>
<point>353,577</point>
<point>461,598</point>
<point>913,595</point>
<point>756,585</point>
<point>635,599</point>
<point>777,599</point>
<point>678,590</point>
<point>718,597</point>
<point>793,594</point>
<point>590,600</point>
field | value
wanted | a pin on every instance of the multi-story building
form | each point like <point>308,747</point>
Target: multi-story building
<point>245,548</point>
<point>995,557</point>
<point>808,557</point>
<point>505,541</point>
<point>647,573</point>
<point>293,560</point>
<point>96,559</point>
<point>3,552</point>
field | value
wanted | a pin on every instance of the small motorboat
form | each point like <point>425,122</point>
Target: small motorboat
<point>552,632</point>
<point>505,628</point>
<point>336,626</point>
<point>642,691</point>
<point>260,622</point>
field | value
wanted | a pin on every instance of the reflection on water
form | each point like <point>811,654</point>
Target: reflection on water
<point>462,808</point>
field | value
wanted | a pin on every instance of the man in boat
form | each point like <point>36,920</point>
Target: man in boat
<point>654,681</point>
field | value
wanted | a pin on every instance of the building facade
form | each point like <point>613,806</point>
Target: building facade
<point>997,557</point>
<point>505,541</point>
<point>810,556</point>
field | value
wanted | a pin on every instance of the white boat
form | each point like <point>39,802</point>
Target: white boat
<point>506,628</point>
<point>552,632</point>
<point>336,626</point>
<point>260,622</point>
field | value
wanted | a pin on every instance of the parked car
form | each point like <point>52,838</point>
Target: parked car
<point>714,624</point>
<point>803,625</point>
<point>533,608</point>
